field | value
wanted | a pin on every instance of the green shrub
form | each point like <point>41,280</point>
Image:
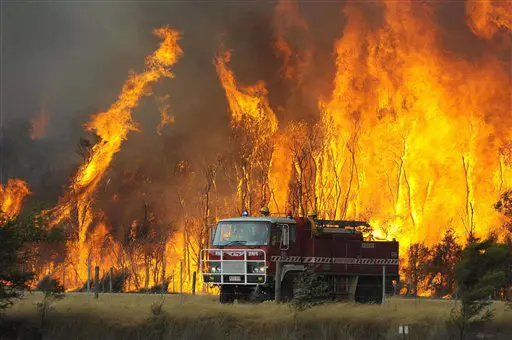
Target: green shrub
<point>52,291</point>
<point>310,290</point>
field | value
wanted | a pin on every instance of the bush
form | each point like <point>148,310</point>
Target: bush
<point>310,290</point>
<point>52,291</point>
<point>119,279</point>
<point>156,289</point>
<point>49,285</point>
<point>479,274</point>
<point>157,307</point>
<point>15,237</point>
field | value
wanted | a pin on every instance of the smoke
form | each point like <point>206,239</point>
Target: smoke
<point>72,58</point>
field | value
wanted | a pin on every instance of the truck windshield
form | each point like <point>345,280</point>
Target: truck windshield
<point>247,233</point>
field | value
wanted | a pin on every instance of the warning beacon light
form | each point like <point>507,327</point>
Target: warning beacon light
<point>245,213</point>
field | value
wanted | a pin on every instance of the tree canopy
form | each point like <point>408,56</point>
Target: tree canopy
<point>18,236</point>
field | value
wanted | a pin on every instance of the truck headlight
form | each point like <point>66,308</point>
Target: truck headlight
<point>215,269</point>
<point>258,269</point>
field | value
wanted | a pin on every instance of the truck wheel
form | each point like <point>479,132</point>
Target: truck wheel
<point>227,295</point>
<point>369,290</point>
<point>287,287</point>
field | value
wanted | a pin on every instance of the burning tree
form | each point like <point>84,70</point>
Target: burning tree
<point>21,239</point>
<point>304,143</point>
<point>209,173</point>
<point>445,256</point>
<point>197,197</point>
<point>111,129</point>
<point>417,270</point>
<point>504,206</point>
<point>253,126</point>
<point>146,248</point>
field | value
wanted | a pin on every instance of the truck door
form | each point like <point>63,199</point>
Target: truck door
<point>353,251</point>
<point>276,250</point>
<point>294,246</point>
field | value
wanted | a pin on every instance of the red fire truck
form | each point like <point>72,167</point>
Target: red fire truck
<point>252,256</point>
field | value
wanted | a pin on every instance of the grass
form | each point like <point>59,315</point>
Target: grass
<point>131,316</point>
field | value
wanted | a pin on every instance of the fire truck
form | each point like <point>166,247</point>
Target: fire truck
<point>261,257</point>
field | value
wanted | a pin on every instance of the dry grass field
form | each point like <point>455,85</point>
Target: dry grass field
<point>134,316</point>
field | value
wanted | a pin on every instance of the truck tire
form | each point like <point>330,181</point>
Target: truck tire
<point>287,288</point>
<point>369,290</point>
<point>227,295</point>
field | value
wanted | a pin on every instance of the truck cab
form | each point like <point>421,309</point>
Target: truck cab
<point>239,260</point>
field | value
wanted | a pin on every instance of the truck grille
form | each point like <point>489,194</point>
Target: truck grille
<point>234,264</point>
<point>233,267</point>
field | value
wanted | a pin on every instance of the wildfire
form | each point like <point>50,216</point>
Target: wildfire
<point>487,17</point>
<point>252,115</point>
<point>246,103</point>
<point>403,125</point>
<point>12,197</point>
<point>112,128</point>
<point>413,137</point>
<point>403,143</point>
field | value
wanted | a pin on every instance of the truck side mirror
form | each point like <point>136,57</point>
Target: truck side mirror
<point>285,237</point>
<point>213,227</point>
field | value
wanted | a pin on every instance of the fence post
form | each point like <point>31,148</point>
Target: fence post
<point>383,283</point>
<point>23,275</point>
<point>164,279</point>
<point>181,282</point>
<point>88,279</point>
<point>194,283</point>
<point>96,281</point>
<point>110,277</point>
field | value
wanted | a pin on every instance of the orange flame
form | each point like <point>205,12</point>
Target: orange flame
<point>408,146</point>
<point>248,102</point>
<point>279,175</point>
<point>112,128</point>
<point>12,197</point>
<point>165,117</point>
<point>252,115</point>
<point>487,17</point>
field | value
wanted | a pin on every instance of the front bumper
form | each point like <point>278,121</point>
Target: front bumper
<point>228,279</point>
